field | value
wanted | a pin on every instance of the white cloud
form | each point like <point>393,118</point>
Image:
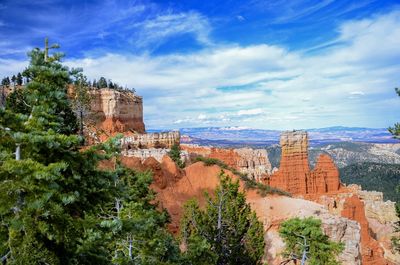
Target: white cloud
<point>202,117</point>
<point>250,112</point>
<point>156,30</point>
<point>357,93</point>
<point>315,87</point>
<point>240,18</point>
<point>262,86</point>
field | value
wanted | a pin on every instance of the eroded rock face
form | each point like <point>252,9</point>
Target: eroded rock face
<point>253,162</point>
<point>294,174</point>
<point>372,252</point>
<point>150,140</point>
<point>156,153</point>
<point>275,210</point>
<point>117,111</point>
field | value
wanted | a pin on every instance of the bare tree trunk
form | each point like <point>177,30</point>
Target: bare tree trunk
<point>18,152</point>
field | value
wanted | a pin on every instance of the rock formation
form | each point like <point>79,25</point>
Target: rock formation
<point>156,153</point>
<point>275,210</point>
<point>116,111</point>
<point>372,253</point>
<point>253,162</point>
<point>294,174</point>
<point>150,140</point>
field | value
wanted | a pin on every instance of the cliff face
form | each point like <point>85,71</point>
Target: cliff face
<point>150,140</point>
<point>253,162</point>
<point>116,111</point>
<point>294,174</point>
<point>375,217</point>
<point>274,210</point>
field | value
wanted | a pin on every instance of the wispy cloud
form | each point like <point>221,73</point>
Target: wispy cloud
<point>292,88</point>
<point>159,29</point>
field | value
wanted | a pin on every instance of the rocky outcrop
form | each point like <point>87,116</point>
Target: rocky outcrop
<point>274,210</point>
<point>376,219</point>
<point>271,211</point>
<point>156,153</point>
<point>372,252</point>
<point>324,177</point>
<point>253,162</point>
<point>150,140</point>
<point>114,111</point>
<point>294,174</point>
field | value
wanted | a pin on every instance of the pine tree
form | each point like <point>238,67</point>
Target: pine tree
<point>102,82</point>
<point>56,203</point>
<point>175,154</point>
<point>305,241</point>
<point>395,131</point>
<point>81,99</point>
<point>19,79</point>
<point>110,84</point>
<point>137,227</point>
<point>226,232</point>
<point>13,79</point>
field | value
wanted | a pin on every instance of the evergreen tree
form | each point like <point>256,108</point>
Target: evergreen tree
<point>56,204</point>
<point>226,232</point>
<point>305,241</point>
<point>4,82</point>
<point>13,79</point>
<point>137,227</point>
<point>102,82</point>
<point>396,239</point>
<point>81,99</point>
<point>395,131</point>
<point>19,79</point>
<point>175,154</point>
<point>110,84</point>
<point>94,84</point>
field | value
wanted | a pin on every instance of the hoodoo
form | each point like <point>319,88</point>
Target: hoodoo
<point>294,174</point>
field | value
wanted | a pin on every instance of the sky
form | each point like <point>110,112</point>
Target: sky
<point>256,63</point>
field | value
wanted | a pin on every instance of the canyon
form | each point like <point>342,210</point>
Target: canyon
<point>361,220</point>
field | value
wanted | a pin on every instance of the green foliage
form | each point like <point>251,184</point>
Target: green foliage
<point>368,174</point>
<point>16,101</point>
<point>175,154</point>
<point>395,131</point>
<point>262,189</point>
<point>56,205</point>
<point>226,232</point>
<point>81,99</point>
<point>396,239</point>
<point>19,79</point>
<point>306,236</point>
<point>102,83</point>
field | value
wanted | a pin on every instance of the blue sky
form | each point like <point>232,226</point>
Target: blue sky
<point>260,64</point>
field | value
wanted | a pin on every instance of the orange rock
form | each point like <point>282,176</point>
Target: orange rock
<point>371,252</point>
<point>294,174</point>
<point>116,111</point>
<point>325,176</point>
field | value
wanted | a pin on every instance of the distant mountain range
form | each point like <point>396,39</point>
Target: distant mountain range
<point>242,136</point>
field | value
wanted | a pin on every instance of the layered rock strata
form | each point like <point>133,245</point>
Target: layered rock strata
<point>114,111</point>
<point>150,140</point>
<point>294,174</point>
<point>376,217</point>
<point>156,153</point>
<point>253,162</point>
